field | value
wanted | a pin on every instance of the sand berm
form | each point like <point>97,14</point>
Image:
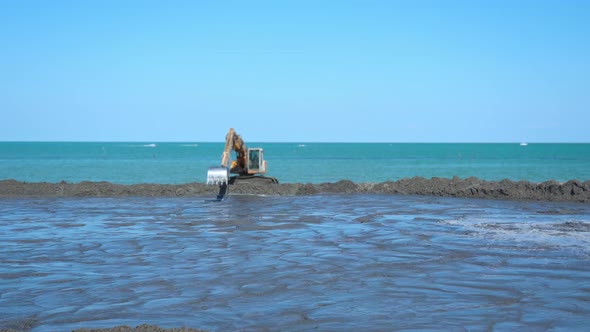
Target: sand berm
<point>570,191</point>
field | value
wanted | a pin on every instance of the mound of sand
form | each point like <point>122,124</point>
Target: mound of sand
<point>122,328</point>
<point>140,328</point>
<point>573,190</point>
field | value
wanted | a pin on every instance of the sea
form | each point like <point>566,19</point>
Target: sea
<point>173,163</point>
<point>325,262</point>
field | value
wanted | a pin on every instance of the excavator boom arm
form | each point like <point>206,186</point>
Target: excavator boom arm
<point>229,144</point>
<point>233,141</point>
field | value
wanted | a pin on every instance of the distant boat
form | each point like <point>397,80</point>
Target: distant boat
<point>523,144</point>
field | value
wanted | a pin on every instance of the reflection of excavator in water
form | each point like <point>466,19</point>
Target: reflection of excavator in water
<point>248,165</point>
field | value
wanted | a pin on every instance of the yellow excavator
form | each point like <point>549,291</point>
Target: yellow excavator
<point>248,165</point>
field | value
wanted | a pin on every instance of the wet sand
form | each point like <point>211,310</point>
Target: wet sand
<point>125,328</point>
<point>140,328</point>
<point>570,191</point>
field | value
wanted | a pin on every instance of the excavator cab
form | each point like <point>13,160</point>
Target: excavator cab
<point>256,162</point>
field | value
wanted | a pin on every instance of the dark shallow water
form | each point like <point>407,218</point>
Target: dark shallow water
<point>326,262</point>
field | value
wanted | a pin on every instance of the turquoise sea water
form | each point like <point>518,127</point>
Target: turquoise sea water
<point>154,162</point>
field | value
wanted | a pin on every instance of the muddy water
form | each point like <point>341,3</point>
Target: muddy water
<point>326,262</point>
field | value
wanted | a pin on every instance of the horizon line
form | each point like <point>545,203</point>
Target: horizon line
<point>295,142</point>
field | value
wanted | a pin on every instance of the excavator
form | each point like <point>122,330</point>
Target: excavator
<point>248,165</point>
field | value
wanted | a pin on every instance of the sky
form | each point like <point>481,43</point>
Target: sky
<point>295,71</point>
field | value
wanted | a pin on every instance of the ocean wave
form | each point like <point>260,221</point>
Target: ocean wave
<point>149,145</point>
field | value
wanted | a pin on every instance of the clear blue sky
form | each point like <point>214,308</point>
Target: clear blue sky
<point>295,71</point>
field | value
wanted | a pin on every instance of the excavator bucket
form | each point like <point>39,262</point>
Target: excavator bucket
<point>218,175</point>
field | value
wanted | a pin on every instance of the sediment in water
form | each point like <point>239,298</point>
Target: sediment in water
<point>573,190</point>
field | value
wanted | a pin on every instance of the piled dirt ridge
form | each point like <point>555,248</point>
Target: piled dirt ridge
<point>124,328</point>
<point>573,190</point>
<point>140,328</point>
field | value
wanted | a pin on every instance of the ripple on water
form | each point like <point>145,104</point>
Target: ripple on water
<point>328,262</point>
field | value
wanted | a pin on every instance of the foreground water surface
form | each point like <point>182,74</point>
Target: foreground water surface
<point>326,262</point>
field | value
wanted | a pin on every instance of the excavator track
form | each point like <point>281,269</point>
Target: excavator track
<point>257,179</point>
<point>244,179</point>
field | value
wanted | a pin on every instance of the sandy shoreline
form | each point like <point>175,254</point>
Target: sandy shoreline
<point>570,191</point>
